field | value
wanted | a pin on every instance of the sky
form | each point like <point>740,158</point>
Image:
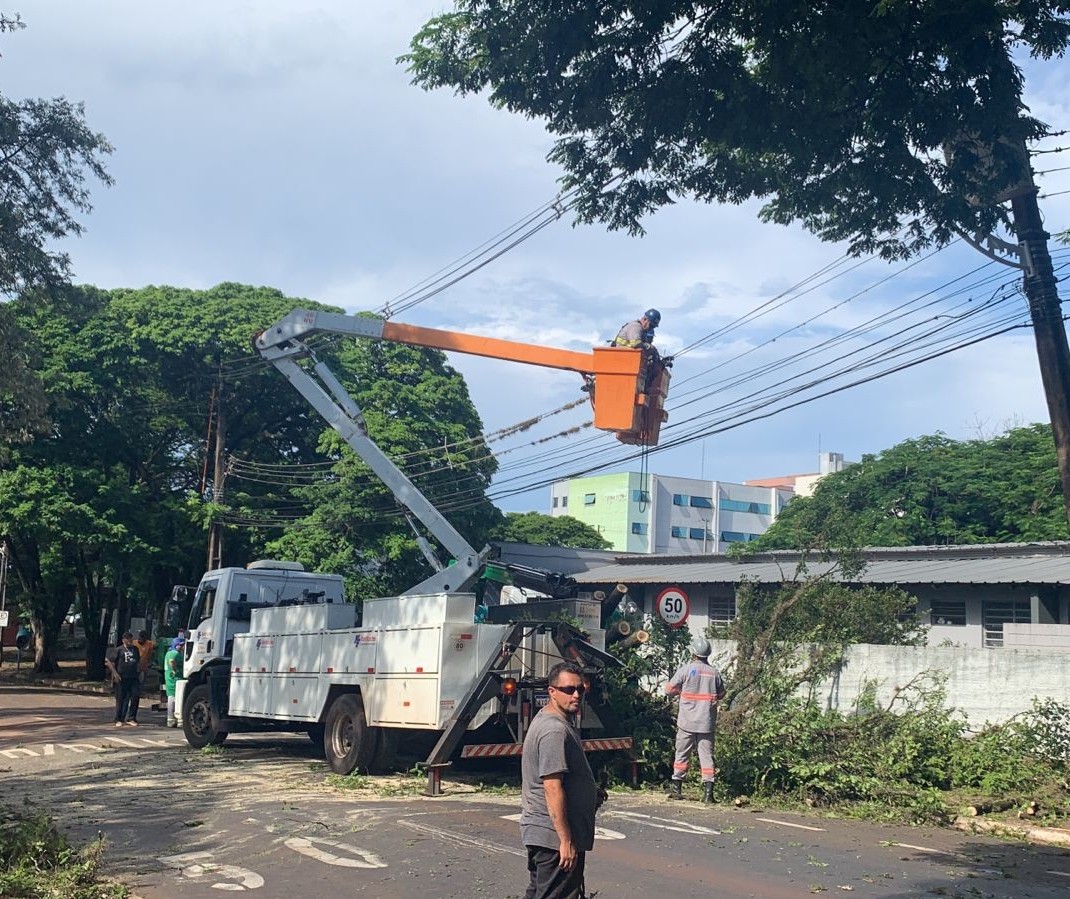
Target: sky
<point>281,144</point>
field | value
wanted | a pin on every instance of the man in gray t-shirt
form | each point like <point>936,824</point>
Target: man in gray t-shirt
<point>559,795</point>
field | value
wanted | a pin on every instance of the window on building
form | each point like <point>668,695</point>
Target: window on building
<point>641,496</point>
<point>722,610</point>
<point>700,534</point>
<point>678,531</point>
<point>738,537</point>
<point>679,499</point>
<point>588,499</point>
<point>555,502</point>
<point>639,527</point>
<point>736,505</point>
<point>948,612</point>
<point>701,502</point>
<point>564,502</point>
<point>995,613</point>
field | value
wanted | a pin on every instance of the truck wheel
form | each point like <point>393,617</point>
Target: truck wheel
<point>349,743</point>
<point>197,720</point>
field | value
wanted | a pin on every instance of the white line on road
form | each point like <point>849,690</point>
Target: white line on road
<point>600,833</point>
<point>155,742</point>
<point>122,742</point>
<point>78,747</point>
<point>13,753</point>
<point>1060,873</point>
<point>920,848</point>
<point>671,824</point>
<point>460,839</point>
<point>305,846</point>
<point>50,749</point>
<point>791,824</point>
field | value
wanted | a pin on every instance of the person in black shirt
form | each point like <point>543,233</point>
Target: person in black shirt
<point>124,665</point>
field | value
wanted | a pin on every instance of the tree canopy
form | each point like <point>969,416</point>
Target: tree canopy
<point>888,124</point>
<point>932,490</point>
<point>550,530</point>
<point>108,509</point>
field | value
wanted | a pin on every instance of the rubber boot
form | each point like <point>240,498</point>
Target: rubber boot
<point>676,788</point>
<point>707,793</point>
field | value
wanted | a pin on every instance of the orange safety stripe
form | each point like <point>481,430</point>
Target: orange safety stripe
<point>706,697</point>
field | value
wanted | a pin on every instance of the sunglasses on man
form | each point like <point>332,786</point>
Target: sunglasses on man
<point>570,689</point>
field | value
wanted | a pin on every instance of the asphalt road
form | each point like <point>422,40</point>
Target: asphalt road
<point>258,817</point>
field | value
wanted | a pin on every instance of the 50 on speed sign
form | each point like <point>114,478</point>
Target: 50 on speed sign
<point>673,606</point>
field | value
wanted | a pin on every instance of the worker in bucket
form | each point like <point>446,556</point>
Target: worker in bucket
<point>639,333</point>
<point>700,688</point>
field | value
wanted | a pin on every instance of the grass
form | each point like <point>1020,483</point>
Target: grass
<point>37,861</point>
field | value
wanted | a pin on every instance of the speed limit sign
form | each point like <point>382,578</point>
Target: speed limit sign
<point>673,606</point>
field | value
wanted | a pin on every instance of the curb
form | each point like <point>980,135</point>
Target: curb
<point>1051,836</point>
<point>74,686</point>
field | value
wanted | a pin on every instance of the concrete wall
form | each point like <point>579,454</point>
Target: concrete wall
<point>986,684</point>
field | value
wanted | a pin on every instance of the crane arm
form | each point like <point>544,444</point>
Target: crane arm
<point>627,396</point>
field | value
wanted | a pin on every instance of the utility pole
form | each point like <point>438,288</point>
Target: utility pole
<point>1049,331</point>
<point>219,474</point>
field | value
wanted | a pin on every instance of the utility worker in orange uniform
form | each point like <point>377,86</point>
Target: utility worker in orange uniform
<point>699,686</point>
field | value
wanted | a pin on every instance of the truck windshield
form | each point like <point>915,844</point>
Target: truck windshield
<point>203,603</point>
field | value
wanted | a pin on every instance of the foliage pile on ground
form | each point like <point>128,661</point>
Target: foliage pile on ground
<point>912,761</point>
<point>39,862</point>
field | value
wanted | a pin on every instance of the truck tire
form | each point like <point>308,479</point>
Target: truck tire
<point>197,719</point>
<point>348,742</point>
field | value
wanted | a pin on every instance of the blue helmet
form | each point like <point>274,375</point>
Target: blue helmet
<point>652,316</point>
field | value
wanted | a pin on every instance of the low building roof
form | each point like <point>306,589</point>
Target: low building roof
<point>1000,563</point>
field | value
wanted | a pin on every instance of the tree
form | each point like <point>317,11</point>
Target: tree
<point>893,126</point>
<point>550,530</point>
<point>932,490</point>
<point>46,153</point>
<point>105,510</point>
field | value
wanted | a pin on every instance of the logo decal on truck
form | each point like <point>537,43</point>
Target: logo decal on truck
<point>265,642</point>
<point>358,639</point>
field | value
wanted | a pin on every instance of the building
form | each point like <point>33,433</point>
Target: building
<point>648,513</point>
<point>803,484</point>
<point>1004,595</point>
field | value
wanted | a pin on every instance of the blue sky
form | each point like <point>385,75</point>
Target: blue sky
<point>280,144</point>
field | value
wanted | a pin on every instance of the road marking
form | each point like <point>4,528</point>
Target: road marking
<point>600,833</point>
<point>12,753</point>
<point>155,742</point>
<point>791,824</point>
<point>920,848</point>
<point>195,865</point>
<point>305,846</point>
<point>50,749</point>
<point>78,747</point>
<point>1060,873</point>
<point>460,839</point>
<point>123,742</point>
<point>671,824</point>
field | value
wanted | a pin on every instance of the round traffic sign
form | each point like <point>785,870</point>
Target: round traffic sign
<point>673,606</point>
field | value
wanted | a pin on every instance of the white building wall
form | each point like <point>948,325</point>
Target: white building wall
<point>990,685</point>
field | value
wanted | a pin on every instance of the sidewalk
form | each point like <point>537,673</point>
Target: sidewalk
<point>71,676</point>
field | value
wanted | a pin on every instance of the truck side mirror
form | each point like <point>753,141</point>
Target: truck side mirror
<point>172,614</point>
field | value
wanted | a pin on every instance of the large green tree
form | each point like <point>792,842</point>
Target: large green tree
<point>47,153</point>
<point>894,125</point>
<point>550,530</point>
<point>932,490</point>
<point>110,507</point>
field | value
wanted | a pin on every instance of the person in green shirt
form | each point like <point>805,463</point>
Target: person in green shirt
<point>172,671</point>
